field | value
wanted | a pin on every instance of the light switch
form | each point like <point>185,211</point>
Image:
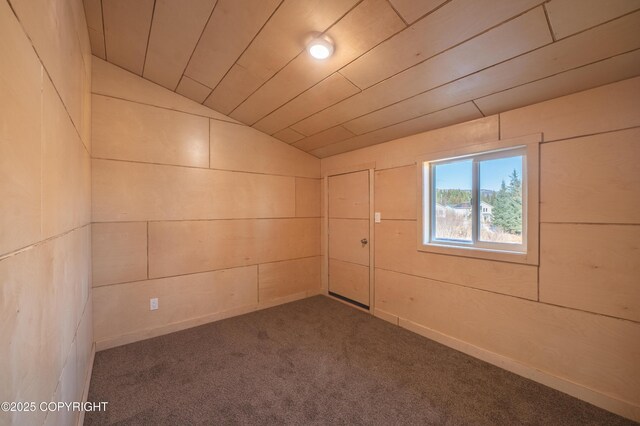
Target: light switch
<point>377,217</point>
<point>153,304</point>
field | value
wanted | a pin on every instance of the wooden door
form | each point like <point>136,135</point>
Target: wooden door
<point>349,237</point>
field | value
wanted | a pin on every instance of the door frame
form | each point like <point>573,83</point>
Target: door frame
<point>370,168</point>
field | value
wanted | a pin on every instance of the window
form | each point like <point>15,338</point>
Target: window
<point>476,202</point>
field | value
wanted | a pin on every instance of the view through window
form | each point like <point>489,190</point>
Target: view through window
<point>478,200</point>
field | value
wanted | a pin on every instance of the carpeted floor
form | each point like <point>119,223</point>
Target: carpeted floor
<point>317,361</point>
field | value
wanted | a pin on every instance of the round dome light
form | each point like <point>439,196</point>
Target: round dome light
<point>320,48</point>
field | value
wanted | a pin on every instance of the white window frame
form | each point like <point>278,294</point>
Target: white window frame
<point>527,252</point>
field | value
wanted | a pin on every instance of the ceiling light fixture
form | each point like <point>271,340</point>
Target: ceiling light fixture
<point>320,47</point>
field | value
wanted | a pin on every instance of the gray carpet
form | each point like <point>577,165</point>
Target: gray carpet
<point>316,361</point>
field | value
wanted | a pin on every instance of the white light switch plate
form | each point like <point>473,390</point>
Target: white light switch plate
<point>153,304</point>
<point>377,217</point>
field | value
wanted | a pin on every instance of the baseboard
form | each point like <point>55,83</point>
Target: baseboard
<point>87,382</point>
<point>138,335</point>
<point>393,319</point>
<point>599,399</point>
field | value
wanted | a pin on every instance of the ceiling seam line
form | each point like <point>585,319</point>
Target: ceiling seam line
<point>288,62</point>
<point>146,51</point>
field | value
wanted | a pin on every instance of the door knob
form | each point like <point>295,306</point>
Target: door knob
<point>364,241</point>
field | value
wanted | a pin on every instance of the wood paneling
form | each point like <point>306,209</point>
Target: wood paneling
<point>515,37</point>
<point>324,138</point>
<point>593,179</point>
<point>44,186</point>
<point>603,109</point>
<point>425,57</point>
<point>176,29</point>
<point>412,10</point>
<point>349,280</point>
<point>355,37</point>
<point>109,80</point>
<point>194,246</point>
<point>587,77</point>
<point>450,25</point>
<point>592,350</point>
<point>467,111</point>
<point>125,191</point>
<point>231,28</point>
<point>126,130</point>
<point>326,93</point>
<point>281,39</point>
<point>179,299</point>
<point>93,13</point>
<point>126,31</point>
<point>44,294</point>
<point>395,191</point>
<point>118,252</point>
<point>288,136</point>
<point>591,46</point>
<point>592,268</point>
<point>344,240</point>
<point>237,147</point>
<point>566,19</point>
<point>66,169</point>
<point>402,152</point>
<point>192,89</point>
<point>396,251</point>
<point>349,195</point>
<point>55,35</point>
<point>307,197</point>
<point>20,118</point>
<point>280,279</point>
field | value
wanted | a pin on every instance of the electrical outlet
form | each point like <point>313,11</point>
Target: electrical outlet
<point>377,217</point>
<point>153,304</point>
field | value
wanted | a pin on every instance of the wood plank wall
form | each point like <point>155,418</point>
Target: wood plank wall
<point>573,322</point>
<point>45,232</point>
<point>210,216</point>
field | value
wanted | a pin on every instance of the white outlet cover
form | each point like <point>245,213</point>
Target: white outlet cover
<point>377,217</point>
<point>153,304</point>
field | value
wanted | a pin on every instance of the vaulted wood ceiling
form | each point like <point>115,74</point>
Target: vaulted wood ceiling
<point>400,66</point>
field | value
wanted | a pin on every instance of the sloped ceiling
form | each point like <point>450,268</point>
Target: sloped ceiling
<point>400,66</point>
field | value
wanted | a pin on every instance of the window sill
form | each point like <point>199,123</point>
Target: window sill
<point>479,253</point>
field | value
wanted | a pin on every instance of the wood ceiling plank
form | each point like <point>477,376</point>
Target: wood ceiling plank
<point>599,43</point>
<point>192,89</point>
<point>326,137</point>
<point>288,136</point>
<point>446,117</point>
<point>329,91</point>
<point>353,36</point>
<point>175,31</point>
<point>597,74</point>
<point>231,28</point>
<point>411,10</point>
<point>283,37</point>
<point>93,14</point>
<point>568,17</point>
<point>517,36</point>
<point>453,23</point>
<point>126,29</point>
